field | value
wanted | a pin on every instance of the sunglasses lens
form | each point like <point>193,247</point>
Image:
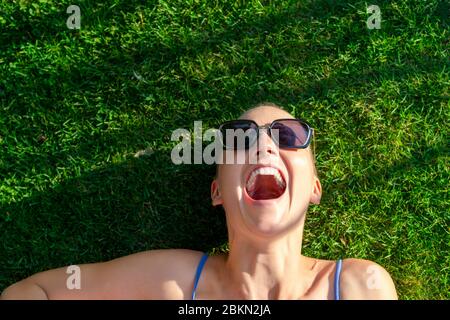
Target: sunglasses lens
<point>238,134</point>
<point>291,133</point>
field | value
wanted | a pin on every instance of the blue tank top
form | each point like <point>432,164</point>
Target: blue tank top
<point>201,264</point>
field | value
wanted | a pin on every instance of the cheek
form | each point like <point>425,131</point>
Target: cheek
<point>230,182</point>
<point>301,172</point>
<point>230,179</point>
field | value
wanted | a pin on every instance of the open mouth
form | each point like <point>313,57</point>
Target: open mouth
<point>265,183</point>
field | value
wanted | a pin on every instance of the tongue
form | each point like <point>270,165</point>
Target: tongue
<point>265,187</point>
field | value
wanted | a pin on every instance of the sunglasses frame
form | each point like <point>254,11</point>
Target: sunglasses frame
<point>269,131</point>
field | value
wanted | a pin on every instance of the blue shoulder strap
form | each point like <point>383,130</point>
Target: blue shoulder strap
<point>337,276</point>
<point>198,273</point>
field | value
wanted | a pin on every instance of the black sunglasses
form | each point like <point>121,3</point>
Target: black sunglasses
<point>286,133</point>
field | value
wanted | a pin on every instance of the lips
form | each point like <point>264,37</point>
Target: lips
<point>264,183</point>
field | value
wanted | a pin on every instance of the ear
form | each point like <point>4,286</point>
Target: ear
<point>316,192</point>
<point>216,197</point>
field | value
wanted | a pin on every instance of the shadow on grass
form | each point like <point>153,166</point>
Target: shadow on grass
<point>138,205</point>
<point>107,79</point>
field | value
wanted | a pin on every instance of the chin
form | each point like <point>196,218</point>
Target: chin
<point>266,218</point>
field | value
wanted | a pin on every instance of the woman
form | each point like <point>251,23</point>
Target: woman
<point>265,202</point>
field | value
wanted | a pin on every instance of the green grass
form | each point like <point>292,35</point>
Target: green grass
<point>76,105</point>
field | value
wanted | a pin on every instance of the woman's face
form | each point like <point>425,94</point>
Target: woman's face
<point>271,197</point>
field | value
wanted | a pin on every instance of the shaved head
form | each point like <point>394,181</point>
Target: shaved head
<point>264,105</point>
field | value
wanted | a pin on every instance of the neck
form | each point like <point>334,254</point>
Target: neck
<point>269,270</point>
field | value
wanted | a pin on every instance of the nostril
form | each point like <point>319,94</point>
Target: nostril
<point>263,152</point>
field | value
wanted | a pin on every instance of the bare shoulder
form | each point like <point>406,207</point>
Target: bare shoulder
<point>365,280</point>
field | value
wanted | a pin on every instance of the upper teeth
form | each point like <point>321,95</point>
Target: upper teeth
<point>266,171</point>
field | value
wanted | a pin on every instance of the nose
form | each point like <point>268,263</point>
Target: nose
<point>265,146</point>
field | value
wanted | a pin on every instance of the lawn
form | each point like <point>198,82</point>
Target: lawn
<point>77,106</point>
